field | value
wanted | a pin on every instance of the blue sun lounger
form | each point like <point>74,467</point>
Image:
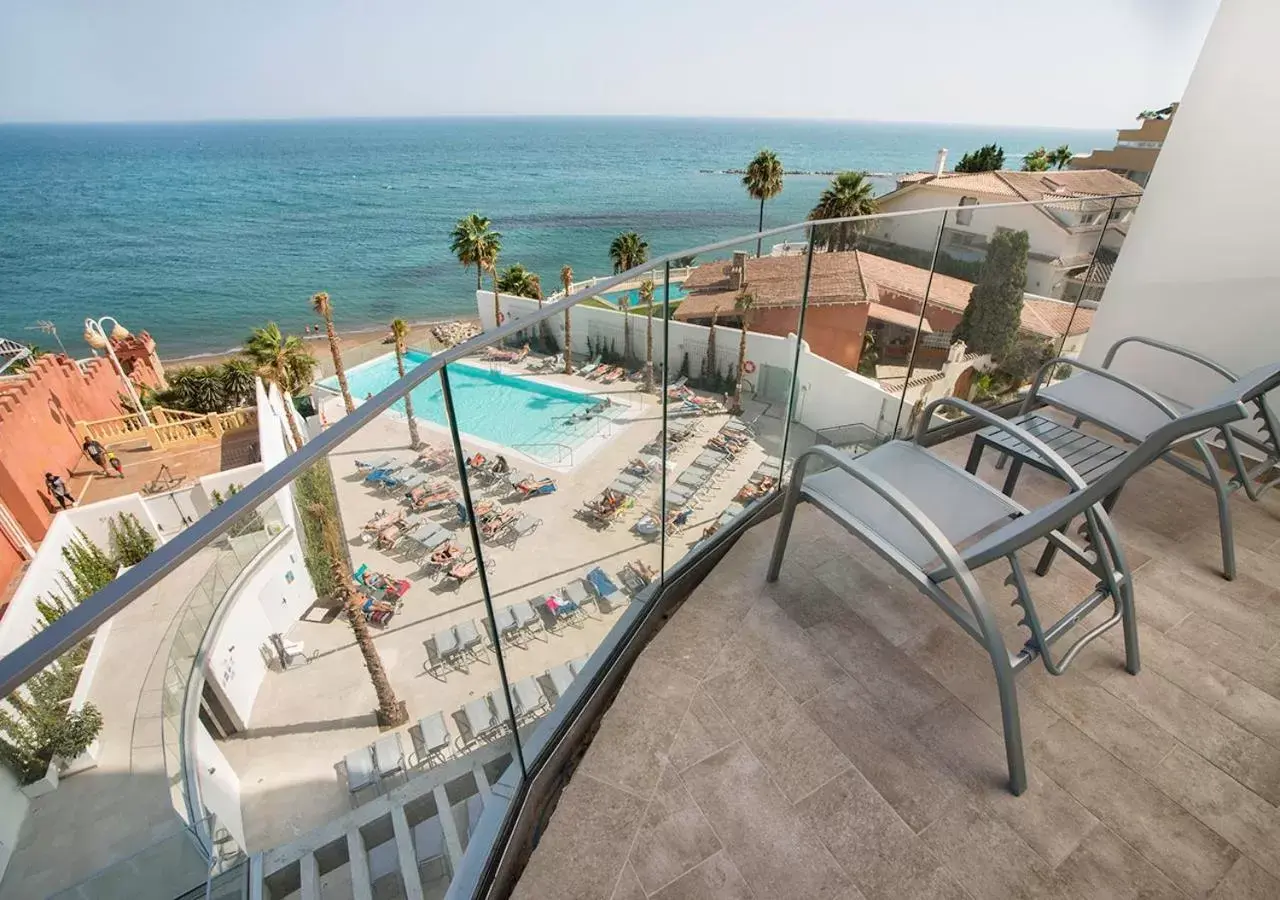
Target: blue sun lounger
<point>602,584</point>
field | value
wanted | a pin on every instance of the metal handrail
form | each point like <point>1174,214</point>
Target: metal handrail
<point>47,645</point>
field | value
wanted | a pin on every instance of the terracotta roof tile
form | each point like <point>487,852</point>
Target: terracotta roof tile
<point>855,277</point>
<point>1029,185</point>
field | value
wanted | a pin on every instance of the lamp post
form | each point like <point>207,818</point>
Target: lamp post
<point>95,335</point>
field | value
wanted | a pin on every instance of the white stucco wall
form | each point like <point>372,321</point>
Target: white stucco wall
<point>219,784</point>
<point>13,810</point>
<point>828,395</point>
<point>1199,265</point>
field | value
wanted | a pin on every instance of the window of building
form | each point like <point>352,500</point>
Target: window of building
<point>937,340</point>
<point>965,216</point>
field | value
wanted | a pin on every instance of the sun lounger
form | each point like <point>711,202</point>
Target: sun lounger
<point>627,485</point>
<point>524,613</point>
<point>576,591</point>
<point>562,609</point>
<point>602,584</point>
<point>612,375</point>
<point>360,770</point>
<point>676,389</point>
<point>710,461</point>
<point>430,739</point>
<point>917,511</point>
<point>388,752</point>
<point>367,467</point>
<point>590,367</point>
<point>531,487</point>
<point>477,721</point>
<point>693,478</point>
<point>527,698</point>
<point>561,678</point>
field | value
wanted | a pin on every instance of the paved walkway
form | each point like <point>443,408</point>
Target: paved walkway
<point>103,816</point>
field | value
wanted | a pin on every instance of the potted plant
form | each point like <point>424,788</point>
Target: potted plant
<point>41,735</point>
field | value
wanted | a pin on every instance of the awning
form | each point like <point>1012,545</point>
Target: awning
<point>894,316</point>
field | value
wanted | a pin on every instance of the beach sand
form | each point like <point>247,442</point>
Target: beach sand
<point>357,346</point>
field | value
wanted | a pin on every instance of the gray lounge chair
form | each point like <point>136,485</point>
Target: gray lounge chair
<point>522,612</point>
<point>561,678</point>
<point>388,752</point>
<point>1133,412</point>
<point>360,771</point>
<point>577,592</point>
<point>527,698</point>
<point>523,526</point>
<point>430,739</point>
<point>915,510</point>
<point>477,720</point>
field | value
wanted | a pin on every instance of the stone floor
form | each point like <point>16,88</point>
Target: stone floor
<point>142,466</point>
<point>307,719</point>
<point>835,735</point>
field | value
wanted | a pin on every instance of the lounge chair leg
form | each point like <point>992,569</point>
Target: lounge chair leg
<point>1224,511</point>
<point>1012,724</point>
<point>784,527</point>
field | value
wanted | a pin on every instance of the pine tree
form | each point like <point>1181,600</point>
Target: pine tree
<point>89,568</point>
<point>991,320</point>
<point>131,543</point>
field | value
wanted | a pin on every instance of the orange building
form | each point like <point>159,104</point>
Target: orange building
<point>851,293</point>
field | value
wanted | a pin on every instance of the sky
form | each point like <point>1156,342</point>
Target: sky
<point>1088,64</point>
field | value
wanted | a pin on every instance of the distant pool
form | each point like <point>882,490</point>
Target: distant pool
<point>633,296</point>
<point>525,414</point>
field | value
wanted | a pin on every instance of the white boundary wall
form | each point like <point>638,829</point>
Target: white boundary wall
<point>829,394</point>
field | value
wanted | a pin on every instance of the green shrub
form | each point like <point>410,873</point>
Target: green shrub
<point>312,487</point>
<point>131,543</point>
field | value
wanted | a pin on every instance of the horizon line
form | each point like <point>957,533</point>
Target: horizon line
<point>223,120</point>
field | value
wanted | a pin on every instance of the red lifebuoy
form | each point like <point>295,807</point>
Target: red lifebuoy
<point>748,367</point>
<point>501,318</point>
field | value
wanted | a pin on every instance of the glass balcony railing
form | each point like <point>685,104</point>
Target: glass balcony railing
<point>398,620</point>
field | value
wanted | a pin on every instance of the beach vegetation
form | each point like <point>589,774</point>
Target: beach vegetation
<point>627,251</point>
<point>566,281</point>
<point>1061,157</point>
<point>324,309</point>
<point>475,243</point>
<point>400,334</point>
<point>849,194</point>
<point>763,181</point>
<point>987,158</point>
<point>518,281</point>
<point>282,360</point>
<point>1036,161</point>
<point>743,304</point>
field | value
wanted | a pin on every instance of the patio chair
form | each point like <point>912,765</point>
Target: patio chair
<point>476,720</point>
<point>915,509</point>
<point>561,678</point>
<point>588,368</point>
<point>430,738</point>
<point>388,752</point>
<point>527,698</point>
<point>1133,412</point>
<point>528,618</point>
<point>563,611</point>
<point>507,626</point>
<point>523,526</point>
<point>360,771</point>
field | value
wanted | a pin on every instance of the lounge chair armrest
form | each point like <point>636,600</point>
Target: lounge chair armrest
<point>1167,348</point>
<point>1138,389</point>
<point>1064,470</point>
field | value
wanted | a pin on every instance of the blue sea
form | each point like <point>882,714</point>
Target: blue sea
<point>198,232</point>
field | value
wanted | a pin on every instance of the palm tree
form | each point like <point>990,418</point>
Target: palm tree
<point>475,243</point>
<point>763,181</point>
<point>390,711</point>
<point>197,389</point>
<point>566,278</point>
<point>627,251</point>
<point>283,361</point>
<point>237,380</point>
<point>646,294</point>
<point>850,194</point>
<point>1036,161</point>
<point>1061,157</point>
<point>400,332</point>
<point>492,268</point>
<point>320,303</point>
<point>520,282</point>
<point>744,304</point>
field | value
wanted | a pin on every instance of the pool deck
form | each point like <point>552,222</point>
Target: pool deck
<point>307,719</point>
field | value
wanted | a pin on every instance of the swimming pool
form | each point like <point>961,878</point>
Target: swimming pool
<point>525,414</point>
<point>633,295</point>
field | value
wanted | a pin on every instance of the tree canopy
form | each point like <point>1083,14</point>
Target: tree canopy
<point>1036,161</point>
<point>627,251</point>
<point>475,243</point>
<point>990,322</point>
<point>515,279</point>
<point>1061,157</point>
<point>849,194</point>
<point>280,358</point>
<point>987,158</point>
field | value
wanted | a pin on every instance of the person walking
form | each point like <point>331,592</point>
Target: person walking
<point>96,452</point>
<point>58,489</point>
<point>114,462</point>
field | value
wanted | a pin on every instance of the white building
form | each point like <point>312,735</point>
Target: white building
<point>1063,235</point>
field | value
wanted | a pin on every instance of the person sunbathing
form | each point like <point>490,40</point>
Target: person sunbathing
<point>446,554</point>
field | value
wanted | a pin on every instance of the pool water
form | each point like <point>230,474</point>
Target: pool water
<point>525,414</point>
<point>633,296</point>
